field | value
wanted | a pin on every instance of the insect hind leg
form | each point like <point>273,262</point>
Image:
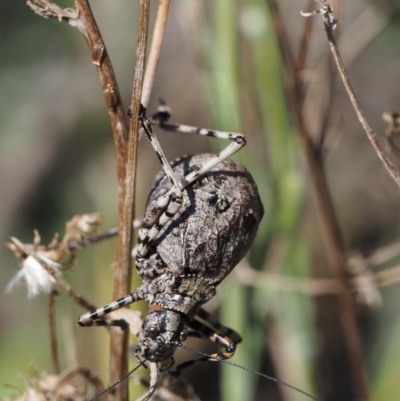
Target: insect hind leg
<point>219,334</point>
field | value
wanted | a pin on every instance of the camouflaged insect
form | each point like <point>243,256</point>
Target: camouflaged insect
<point>201,218</point>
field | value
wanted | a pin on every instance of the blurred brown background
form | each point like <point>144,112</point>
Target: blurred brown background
<point>57,160</point>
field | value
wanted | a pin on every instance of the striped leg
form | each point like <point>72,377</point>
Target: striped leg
<point>225,331</point>
<point>94,318</point>
<point>166,206</point>
<point>163,115</point>
<point>169,204</point>
<point>219,334</point>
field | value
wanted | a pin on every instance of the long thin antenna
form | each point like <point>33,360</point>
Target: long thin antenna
<point>249,370</point>
<point>141,363</point>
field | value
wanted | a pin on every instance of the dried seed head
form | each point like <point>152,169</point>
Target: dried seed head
<point>78,384</point>
<point>33,261</point>
<point>41,263</point>
<point>36,277</point>
<point>82,226</point>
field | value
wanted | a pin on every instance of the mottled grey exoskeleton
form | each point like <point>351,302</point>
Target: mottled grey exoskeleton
<point>201,218</point>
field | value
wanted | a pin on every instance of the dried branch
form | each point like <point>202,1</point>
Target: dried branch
<point>69,340</point>
<point>385,253</point>
<point>75,245</point>
<point>154,375</point>
<point>310,286</point>
<point>52,329</point>
<point>353,99</point>
<point>41,264</point>
<point>123,269</point>
<point>388,276</point>
<point>155,50</point>
<point>47,9</point>
<point>360,279</point>
<point>331,231</point>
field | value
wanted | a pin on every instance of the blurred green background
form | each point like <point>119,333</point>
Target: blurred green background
<point>220,68</point>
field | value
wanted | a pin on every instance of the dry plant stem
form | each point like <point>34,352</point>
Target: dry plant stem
<point>52,328</point>
<point>69,340</point>
<point>116,111</point>
<point>360,114</point>
<point>287,57</point>
<point>336,252</point>
<point>384,254</point>
<point>332,236</point>
<point>313,287</point>
<point>74,245</point>
<point>155,50</point>
<point>123,269</point>
<point>388,277</point>
<point>154,375</point>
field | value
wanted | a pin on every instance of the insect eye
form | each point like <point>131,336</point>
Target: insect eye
<point>183,335</point>
<point>152,332</point>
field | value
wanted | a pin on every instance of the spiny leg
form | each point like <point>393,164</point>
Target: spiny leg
<point>163,115</point>
<point>214,323</point>
<point>221,338</point>
<point>95,317</point>
<point>166,206</point>
<point>147,127</point>
<point>169,204</point>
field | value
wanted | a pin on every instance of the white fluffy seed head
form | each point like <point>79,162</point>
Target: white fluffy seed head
<point>37,278</point>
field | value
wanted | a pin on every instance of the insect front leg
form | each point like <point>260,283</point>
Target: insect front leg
<point>219,334</point>
<point>94,318</point>
<point>238,141</point>
<point>165,208</point>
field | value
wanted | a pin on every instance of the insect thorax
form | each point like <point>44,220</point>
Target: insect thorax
<point>183,294</point>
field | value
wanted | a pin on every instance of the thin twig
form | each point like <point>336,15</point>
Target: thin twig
<point>280,31</point>
<point>336,253</point>
<point>385,253</point>
<point>353,99</point>
<point>333,239</point>
<point>123,269</point>
<point>111,233</point>
<point>154,375</point>
<point>85,242</point>
<point>388,276</point>
<point>69,340</point>
<point>52,329</point>
<point>155,50</point>
<point>47,9</point>
<point>310,286</point>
